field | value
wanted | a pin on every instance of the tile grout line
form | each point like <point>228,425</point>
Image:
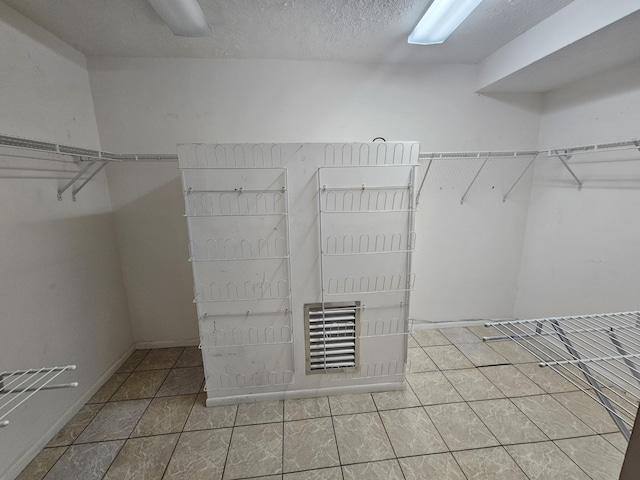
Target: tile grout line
<point>233,429</point>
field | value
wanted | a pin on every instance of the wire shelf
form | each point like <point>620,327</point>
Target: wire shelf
<point>378,154</point>
<point>399,282</point>
<point>231,249</point>
<point>366,244</point>
<point>382,200</point>
<point>247,291</point>
<point>240,203</point>
<point>252,336</point>
<point>16,387</point>
<point>596,353</point>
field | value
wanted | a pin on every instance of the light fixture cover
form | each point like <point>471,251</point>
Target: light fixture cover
<point>440,20</point>
<point>183,17</point>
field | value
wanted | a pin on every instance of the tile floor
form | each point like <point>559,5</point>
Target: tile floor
<point>473,410</point>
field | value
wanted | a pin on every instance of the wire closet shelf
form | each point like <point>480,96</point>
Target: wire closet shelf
<point>596,353</point>
<point>18,386</point>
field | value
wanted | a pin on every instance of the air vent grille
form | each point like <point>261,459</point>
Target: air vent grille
<point>332,336</point>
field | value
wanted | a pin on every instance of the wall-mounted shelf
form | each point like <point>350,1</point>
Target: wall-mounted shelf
<point>369,244</point>
<point>599,354</point>
<point>16,387</point>
<point>231,249</point>
<point>242,292</point>
<point>399,282</point>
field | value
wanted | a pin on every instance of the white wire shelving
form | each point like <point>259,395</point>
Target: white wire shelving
<point>598,354</point>
<point>18,386</point>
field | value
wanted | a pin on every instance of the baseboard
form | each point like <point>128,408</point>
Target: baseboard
<point>30,454</point>
<point>316,392</point>
<point>427,325</point>
<point>167,343</point>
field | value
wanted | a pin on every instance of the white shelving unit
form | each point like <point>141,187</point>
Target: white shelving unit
<point>366,259</point>
<point>239,252</point>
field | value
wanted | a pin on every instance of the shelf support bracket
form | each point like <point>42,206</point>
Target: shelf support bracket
<point>591,379</point>
<point>75,179</point>
<point>474,180</point>
<point>564,159</point>
<point>426,172</point>
<point>88,179</point>
<point>504,199</point>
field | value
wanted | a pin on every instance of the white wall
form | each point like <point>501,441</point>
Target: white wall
<point>581,249</point>
<point>61,290</point>
<point>150,105</point>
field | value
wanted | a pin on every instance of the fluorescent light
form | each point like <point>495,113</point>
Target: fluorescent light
<point>440,20</point>
<point>183,17</point>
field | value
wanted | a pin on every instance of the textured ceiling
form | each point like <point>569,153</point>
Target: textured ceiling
<point>333,30</point>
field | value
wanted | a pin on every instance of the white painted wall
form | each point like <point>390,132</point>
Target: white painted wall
<point>61,288</point>
<point>580,254</point>
<point>150,105</point>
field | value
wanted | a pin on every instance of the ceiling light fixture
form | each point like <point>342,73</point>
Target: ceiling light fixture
<point>440,20</point>
<point>183,17</point>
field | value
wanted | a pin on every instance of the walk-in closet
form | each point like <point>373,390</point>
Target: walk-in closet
<point>310,240</point>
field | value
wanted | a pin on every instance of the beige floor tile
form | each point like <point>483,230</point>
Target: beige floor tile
<point>594,455</point>
<point>86,462</point>
<point>419,361</point>
<point>411,342</point>
<point>429,338</point>
<point>204,418</point>
<point>140,385</point>
<point>109,388</point>
<point>411,432</point>
<point>481,355</point>
<point>617,440</point>
<point>386,470</point>
<point>441,466</point>
<point>143,458</point>
<point>361,438</point>
<point>115,421</point>
<point>303,408</point>
<point>309,444</point>
<point>41,464</point>
<point>472,384</point>
<point>133,361</point>
<point>333,473</point>
<point>507,423</point>
<point>511,381</point>
<point>160,358</point>
<point>551,417</point>
<point>588,410</point>
<point>545,461</point>
<point>458,335</point>
<point>190,357</point>
<point>489,464</point>
<point>164,415</point>
<point>255,450</point>
<point>68,434</point>
<point>432,388</point>
<point>199,455</point>
<point>512,351</point>
<point>348,404</point>
<point>260,412</point>
<point>460,427</point>
<point>482,331</point>
<point>551,381</point>
<point>396,399</point>
<point>182,381</point>
<point>448,357</point>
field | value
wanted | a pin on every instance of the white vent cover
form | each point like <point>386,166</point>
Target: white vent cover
<point>331,332</point>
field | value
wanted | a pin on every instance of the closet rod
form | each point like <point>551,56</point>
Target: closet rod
<point>82,153</point>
